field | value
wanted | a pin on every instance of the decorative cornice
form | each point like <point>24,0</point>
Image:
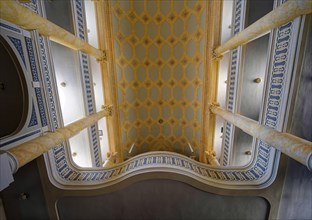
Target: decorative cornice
<point>67,177</point>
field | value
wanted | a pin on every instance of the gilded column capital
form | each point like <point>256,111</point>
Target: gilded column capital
<point>215,56</point>
<point>112,159</point>
<point>108,109</point>
<point>103,57</point>
<point>213,105</point>
<point>212,158</point>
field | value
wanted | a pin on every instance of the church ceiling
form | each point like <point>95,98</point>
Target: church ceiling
<point>159,50</point>
<point>159,67</point>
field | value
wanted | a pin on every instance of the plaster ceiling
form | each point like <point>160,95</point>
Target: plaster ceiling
<point>159,50</point>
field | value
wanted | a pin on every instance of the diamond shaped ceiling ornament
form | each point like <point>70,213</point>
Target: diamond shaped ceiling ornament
<point>185,37</point>
<point>183,82</point>
<point>185,13</point>
<point>198,7</point>
<point>118,11</point>
<point>184,61</point>
<point>120,37</point>
<point>147,63</point>
<point>132,16</point>
<point>145,18</point>
<point>159,18</point>
<point>172,17</point>
<point>172,83</point>
<point>160,83</point>
<point>136,85</point>
<point>159,41</point>
<point>133,40</point>
<point>148,103</point>
<point>134,63</point>
<point>198,35</point>
<point>172,40</point>
<point>159,63</point>
<point>172,62</point>
<point>122,61</point>
<point>146,41</point>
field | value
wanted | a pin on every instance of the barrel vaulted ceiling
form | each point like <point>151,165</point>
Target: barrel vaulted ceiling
<point>159,50</point>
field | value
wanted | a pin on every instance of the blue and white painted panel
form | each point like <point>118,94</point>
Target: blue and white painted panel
<point>10,27</point>
<point>36,78</point>
<point>32,5</point>
<point>21,43</point>
<point>87,82</point>
<point>233,75</point>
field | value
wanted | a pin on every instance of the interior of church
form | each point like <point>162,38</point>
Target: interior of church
<point>155,109</point>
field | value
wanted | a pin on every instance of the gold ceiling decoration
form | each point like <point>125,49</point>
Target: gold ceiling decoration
<point>159,47</point>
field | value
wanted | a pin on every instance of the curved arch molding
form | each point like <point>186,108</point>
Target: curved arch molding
<point>64,175</point>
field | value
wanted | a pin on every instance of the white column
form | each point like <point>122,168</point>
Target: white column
<point>26,152</point>
<point>279,16</point>
<point>14,12</point>
<point>295,147</point>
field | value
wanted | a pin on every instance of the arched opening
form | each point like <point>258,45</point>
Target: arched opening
<point>13,92</point>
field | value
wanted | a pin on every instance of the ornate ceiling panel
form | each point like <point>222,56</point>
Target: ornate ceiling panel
<point>159,51</point>
<point>139,84</point>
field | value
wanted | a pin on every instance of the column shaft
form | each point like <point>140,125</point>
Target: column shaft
<point>13,12</point>
<point>32,149</point>
<point>279,16</point>
<point>295,147</point>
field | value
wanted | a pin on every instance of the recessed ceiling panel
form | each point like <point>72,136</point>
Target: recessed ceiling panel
<point>160,75</point>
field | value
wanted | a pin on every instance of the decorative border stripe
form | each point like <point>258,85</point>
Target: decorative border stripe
<point>18,45</point>
<point>233,75</point>
<point>33,119</point>
<point>48,84</point>
<point>86,77</point>
<point>32,6</point>
<point>35,76</point>
<point>8,27</point>
<point>20,138</point>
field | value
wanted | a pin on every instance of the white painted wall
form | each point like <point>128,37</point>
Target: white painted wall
<point>69,85</point>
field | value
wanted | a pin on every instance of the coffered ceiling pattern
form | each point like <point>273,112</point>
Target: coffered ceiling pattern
<point>159,50</point>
